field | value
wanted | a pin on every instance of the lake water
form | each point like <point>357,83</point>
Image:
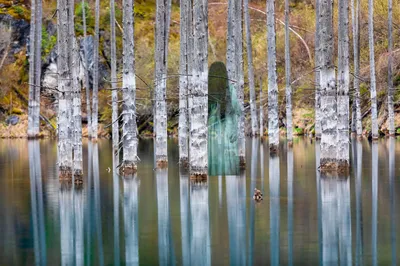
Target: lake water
<point>162,218</point>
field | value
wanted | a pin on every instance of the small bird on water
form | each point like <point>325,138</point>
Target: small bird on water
<point>258,196</point>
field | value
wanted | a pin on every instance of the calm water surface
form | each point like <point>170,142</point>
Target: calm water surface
<point>162,218</point>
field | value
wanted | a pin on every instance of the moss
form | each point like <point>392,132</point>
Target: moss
<point>48,43</point>
<point>17,111</point>
<point>298,131</point>
<point>398,131</point>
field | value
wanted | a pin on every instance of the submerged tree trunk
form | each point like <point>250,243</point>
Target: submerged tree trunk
<point>343,82</point>
<point>35,67</point>
<point>185,30</point>
<point>273,116</point>
<point>328,88</point>
<point>199,91</point>
<point>64,118</point>
<point>355,12</point>
<point>114,81</point>
<point>95,100</point>
<point>253,105</point>
<point>86,73</point>
<point>289,127</point>
<point>160,110</point>
<point>317,66</point>
<point>129,127</point>
<point>390,72</point>
<point>76,90</point>
<point>240,79</point>
<point>374,111</point>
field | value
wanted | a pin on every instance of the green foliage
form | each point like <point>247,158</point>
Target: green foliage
<point>398,131</point>
<point>298,131</point>
<point>48,42</point>
<point>78,18</point>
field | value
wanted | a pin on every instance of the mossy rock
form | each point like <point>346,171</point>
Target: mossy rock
<point>17,111</point>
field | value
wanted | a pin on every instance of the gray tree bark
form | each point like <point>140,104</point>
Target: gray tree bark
<point>343,82</point>
<point>273,116</point>
<point>160,111</point>
<point>35,67</point>
<point>185,30</point>
<point>64,119</point>
<point>317,72</point>
<point>355,13</point>
<point>114,80</point>
<point>261,112</point>
<point>199,92</point>
<point>374,111</point>
<point>95,100</point>
<point>129,127</point>
<point>328,88</point>
<point>86,74</point>
<point>390,72</point>
<point>253,105</point>
<point>289,126</point>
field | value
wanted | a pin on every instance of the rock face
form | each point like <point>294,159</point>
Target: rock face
<point>12,120</point>
<point>14,34</point>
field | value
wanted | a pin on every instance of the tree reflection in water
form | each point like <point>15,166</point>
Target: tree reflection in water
<point>274,208</point>
<point>131,221</point>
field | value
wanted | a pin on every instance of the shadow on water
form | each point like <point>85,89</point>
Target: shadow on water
<point>163,217</point>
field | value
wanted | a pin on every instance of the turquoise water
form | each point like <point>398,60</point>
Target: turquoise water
<point>160,217</point>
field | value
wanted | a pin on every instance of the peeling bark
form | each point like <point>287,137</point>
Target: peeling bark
<point>129,126</point>
<point>328,89</point>
<point>289,126</point>
<point>273,116</point>
<point>199,92</point>
<point>114,80</point>
<point>253,105</point>
<point>343,82</point>
<point>374,111</point>
<point>86,74</point>
<point>390,72</point>
<point>161,54</point>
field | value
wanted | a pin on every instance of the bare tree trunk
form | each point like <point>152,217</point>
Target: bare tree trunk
<point>114,81</point>
<point>253,105</point>
<point>355,12</point>
<point>35,41</point>
<point>76,90</point>
<point>328,88</point>
<point>198,116</point>
<point>160,110</point>
<point>240,79</point>
<point>343,82</point>
<point>184,82</point>
<point>317,71</point>
<point>289,126</point>
<point>231,49</point>
<point>95,99</point>
<point>86,73</point>
<point>273,116</point>
<point>374,111</point>
<point>390,72</point>
<point>129,127</point>
<point>261,112</point>
<point>64,118</point>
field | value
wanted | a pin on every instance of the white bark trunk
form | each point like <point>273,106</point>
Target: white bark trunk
<point>64,119</point>
<point>317,66</point>
<point>273,116</point>
<point>253,105</point>
<point>374,111</point>
<point>199,91</point>
<point>289,126</point>
<point>35,67</point>
<point>131,220</point>
<point>86,74</point>
<point>129,127</point>
<point>114,80</point>
<point>261,112</point>
<point>160,110</point>
<point>95,100</point>
<point>328,89</point>
<point>355,12</point>
<point>390,72</point>
<point>76,101</point>
<point>184,82</point>
<point>231,64</point>
<point>343,82</point>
